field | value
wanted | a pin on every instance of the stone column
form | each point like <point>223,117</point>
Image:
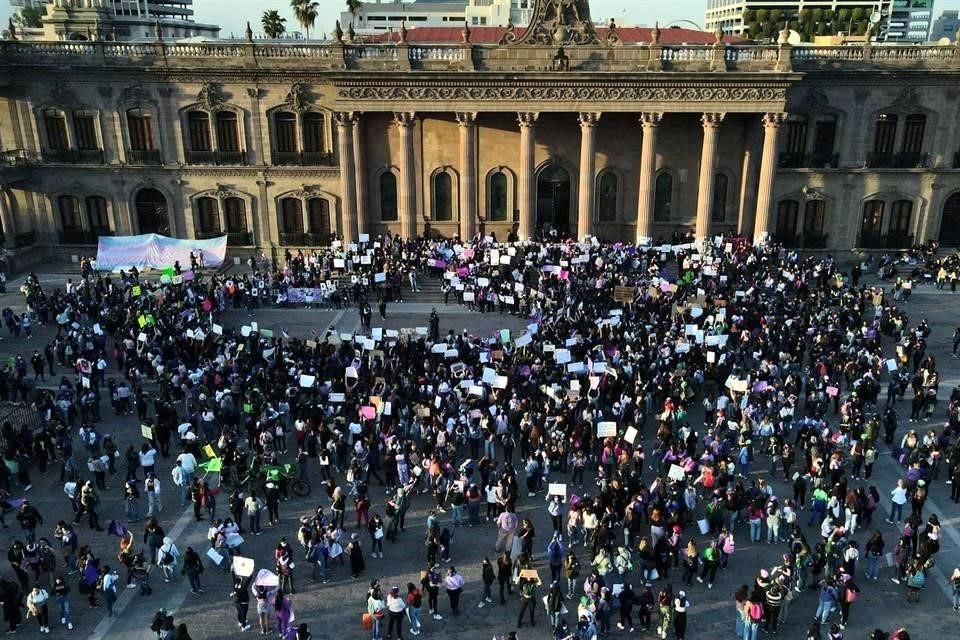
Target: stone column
<point>468,175</point>
<point>408,178</point>
<point>588,167</point>
<point>527,191</point>
<point>348,184</point>
<point>648,166</point>
<point>6,219</point>
<point>768,170</point>
<point>708,163</point>
<point>360,166</point>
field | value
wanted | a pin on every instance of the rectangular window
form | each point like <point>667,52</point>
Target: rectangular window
<point>796,138</point>
<point>141,132</point>
<point>286,132</point>
<point>228,135</point>
<point>913,133</point>
<point>313,133</point>
<point>885,134</point>
<point>813,217</point>
<point>208,218</point>
<point>56,126</point>
<point>85,131</point>
<point>236,214</point>
<point>199,129</point>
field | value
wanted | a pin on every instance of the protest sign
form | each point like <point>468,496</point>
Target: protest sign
<point>557,489</point>
<point>606,429</point>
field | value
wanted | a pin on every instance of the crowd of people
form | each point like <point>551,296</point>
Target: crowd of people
<point>591,414</point>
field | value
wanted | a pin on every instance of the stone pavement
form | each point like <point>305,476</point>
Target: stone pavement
<point>333,610</point>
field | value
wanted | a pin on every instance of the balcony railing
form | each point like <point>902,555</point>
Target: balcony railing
<point>74,156</point>
<point>805,241</point>
<point>218,158</point>
<point>303,158</point>
<point>18,158</point>
<point>147,157</point>
<point>885,241</point>
<point>302,239</point>
<point>83,236</point>
<point>809,160</point>
<point>903,160</point>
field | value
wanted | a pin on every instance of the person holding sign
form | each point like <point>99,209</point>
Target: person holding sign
<point>529,581</point>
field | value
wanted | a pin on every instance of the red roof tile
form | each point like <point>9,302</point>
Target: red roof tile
<point>492,35</point>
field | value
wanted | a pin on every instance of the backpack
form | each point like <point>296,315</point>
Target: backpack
<point>166,557</point>
<point>554,551</point>
<point>756,611</point>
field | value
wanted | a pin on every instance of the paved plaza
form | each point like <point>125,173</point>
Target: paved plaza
<point>333,610</point>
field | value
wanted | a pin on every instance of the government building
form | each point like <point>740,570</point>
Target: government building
<point>625,134</point>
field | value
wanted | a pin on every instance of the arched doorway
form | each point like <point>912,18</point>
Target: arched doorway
<point>950,222</point>
<point>152,214</point>
<point>553,200</point>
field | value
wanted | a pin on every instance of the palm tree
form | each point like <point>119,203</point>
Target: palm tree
<point>272,23</point>
<point>353,6</point>
<point>305,11</point>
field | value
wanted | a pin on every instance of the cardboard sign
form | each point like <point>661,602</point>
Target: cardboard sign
<point>243,567</point>
<point>606,429</point>
<point>146,431</point>
<point>562,356</point>
<point>623,294</point>
<point>307,381</point>
<point>557,489</point>
<point>631,434</point>
<point>676,472</point>
<point>529,574</point>
<point>832,391</point>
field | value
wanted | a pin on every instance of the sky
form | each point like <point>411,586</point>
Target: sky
<point>232,15</point>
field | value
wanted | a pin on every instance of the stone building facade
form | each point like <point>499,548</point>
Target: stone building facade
<point>626,136</point>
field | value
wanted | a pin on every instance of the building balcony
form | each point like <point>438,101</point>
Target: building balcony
<point>74,156</point>
<point>18,158</point>
<point>887,241</point>
<point>234,238</point>
<point>804,241</point>
<point>303,158</point>
<point>82,236</point>
<point>218,158</point>
<point>903,160</point>
<point>302,239</point>
<point>144,157</point>
<point>809,160</point>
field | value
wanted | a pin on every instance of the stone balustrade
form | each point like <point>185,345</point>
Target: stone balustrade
<point>626,58</point>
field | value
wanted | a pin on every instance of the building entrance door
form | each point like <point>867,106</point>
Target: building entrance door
<point>553,200</point>
<point>950,222</point>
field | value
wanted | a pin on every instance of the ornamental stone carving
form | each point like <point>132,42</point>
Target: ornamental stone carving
<point>135,94</point>
<point>211,97</point>
<point>555,93</point>
<point>558,22</point>
<point>61,96</point>
<point>907,100</point>
<point>298,98</point>
<point>223,191</point>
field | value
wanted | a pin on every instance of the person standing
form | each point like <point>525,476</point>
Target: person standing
<point>108,586</point>
<point>774,603</point>
<point>253,506</point>
<point>241,602</point>
<point>37,606</point>
<point>396,606</point>
<point>898,498</point>
<point>377,608</point>
<point>665,604</point>
<point>414,603</point>
<point>505,574</point>
<point>487,575</point>
<point>680,606</point>
<point>453,584</point>
<point>528,599</point>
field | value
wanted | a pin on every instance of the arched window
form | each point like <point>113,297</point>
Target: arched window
<point>871,225</point>
<point>318,210</point>
<point>786,228</point>
<point>914,126</point>
<point>285,131</point>
<point>607,186</point>
<point>140,130</point>
<point>663,197</point>
<point>55,125</point>
<point>228,131</point>
<point>900,214</point>
<point>97,215</point>
<point>718,209</point>
<point>71,220</point>
<point>885,133</point>
<point>152,212</point>
<point>498,197</point>
<point>388,197</point>
<point>235,213</point>
<point>814,215</point>
<point>208,216</point>
<point>314,132</point>
<point>442,197</point>
<point>198,130</point>
<point>291,215</point>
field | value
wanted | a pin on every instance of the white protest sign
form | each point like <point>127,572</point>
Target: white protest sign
<point>562,356</point>
<point>243,567</point>
<point>557,489</point>
<point>307,381</point>
<point>606,429</point>
<point>676,473</point>
<point>631,434</point>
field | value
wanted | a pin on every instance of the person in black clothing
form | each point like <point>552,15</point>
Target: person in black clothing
<point>504,574</point>
<point>627,599</point>
<point>241,600</point>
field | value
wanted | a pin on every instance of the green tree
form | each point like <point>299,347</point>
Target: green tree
<point>753,29</point>
<point>816,15</point>
<point>822,28</point>
<point>353,6</point>
<point>272,23</point>
<point>859,14</point>
<point>776,16</point>
<point>828,15</point>
<point>305,11</point>
<point>29,17</point>
<point>750,15</point>
<point>763,15</point>
<point>806,16</point>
